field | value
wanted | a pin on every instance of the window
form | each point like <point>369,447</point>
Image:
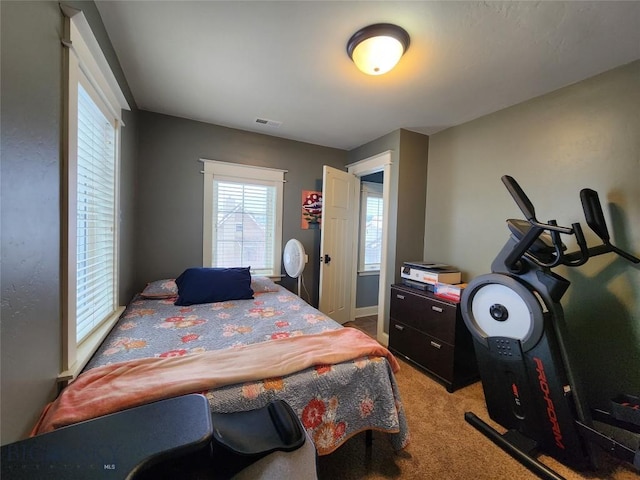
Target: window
<point>242,217</point>
<point>96,230</point>
<point>90,238</point>
<point>371,208</point>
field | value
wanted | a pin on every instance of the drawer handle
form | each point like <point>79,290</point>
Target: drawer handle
<point>399,327</point>
<point>434,344</point>
<point>436,309</point>
<point>401,297</point>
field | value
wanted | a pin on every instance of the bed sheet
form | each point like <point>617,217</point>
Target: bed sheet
<point>334,402</point>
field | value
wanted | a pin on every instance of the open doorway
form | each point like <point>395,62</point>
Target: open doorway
<point>374,167</point>
<point>370,231</point>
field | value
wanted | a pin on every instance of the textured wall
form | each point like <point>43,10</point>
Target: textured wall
<point>584,135</point>
<point>170,190</point>
<point>31,164</point>
<point>412,185</point>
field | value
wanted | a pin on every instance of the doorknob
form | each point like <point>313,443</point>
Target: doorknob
<point>327,258</point>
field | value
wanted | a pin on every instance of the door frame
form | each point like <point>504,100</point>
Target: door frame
<point>380,162</point>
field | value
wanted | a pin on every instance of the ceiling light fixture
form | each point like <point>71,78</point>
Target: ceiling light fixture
<point>376,49</point>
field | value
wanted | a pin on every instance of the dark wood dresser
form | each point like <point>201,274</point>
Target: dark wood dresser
<point>429,332</point>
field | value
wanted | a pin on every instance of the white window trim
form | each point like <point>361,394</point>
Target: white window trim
<point>82,54</point>
<point>239,172</point>
<point>365,190</point>
<point>80,39</point>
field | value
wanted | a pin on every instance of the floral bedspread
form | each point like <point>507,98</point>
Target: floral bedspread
<point>334,402</point>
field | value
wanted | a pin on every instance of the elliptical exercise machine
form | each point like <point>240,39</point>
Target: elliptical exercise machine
<point>518,329</point>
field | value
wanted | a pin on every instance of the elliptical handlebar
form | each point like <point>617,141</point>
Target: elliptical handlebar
<point>520,198</point>
<point>557,244</point>
<point>593,215</point>
<point>595,219</point>
<point>513,260</point>
<point>527,208</point>
<point>581,256</point>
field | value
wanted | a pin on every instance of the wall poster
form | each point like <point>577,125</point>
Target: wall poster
<point>311,209</point>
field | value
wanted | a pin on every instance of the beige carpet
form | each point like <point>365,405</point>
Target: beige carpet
<point>443,445</point>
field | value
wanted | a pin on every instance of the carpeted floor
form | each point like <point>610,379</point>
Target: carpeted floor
<point>443,445</point>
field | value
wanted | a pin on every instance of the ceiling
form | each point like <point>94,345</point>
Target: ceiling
<point>229,63</point>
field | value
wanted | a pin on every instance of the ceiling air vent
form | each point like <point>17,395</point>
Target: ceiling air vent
<point>268,123</point>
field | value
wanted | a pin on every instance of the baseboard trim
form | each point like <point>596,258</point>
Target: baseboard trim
<point>366,311</point>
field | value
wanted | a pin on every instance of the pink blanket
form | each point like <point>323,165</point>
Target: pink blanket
<point>119,386</point>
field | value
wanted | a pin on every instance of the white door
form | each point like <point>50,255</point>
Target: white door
<point>337,242</point>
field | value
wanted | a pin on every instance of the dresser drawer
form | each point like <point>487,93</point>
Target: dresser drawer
<point>429,352</point>
<point>425,314</point>
<point>430,333</point>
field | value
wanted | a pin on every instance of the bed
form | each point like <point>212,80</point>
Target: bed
<point>333,401</point>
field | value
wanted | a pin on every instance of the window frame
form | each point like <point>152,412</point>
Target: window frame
<point>84,62</point>
<point>368,189</point>
<point>215,170</point>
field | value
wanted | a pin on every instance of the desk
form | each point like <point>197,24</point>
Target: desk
<point>115,446</point>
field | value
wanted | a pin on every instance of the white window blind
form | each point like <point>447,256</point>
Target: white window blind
<point>371,227</point>
<point>96,216</point>
<point>243,217</point>
<point>245,223</point>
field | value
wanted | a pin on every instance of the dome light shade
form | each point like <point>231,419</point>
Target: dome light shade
<point>376,49</point>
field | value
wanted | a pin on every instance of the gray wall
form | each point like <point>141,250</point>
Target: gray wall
<point>367,290</point>
<point>584,135</point>
<point>170,197</point>
<point>30,328</point>
<point>412,193</point>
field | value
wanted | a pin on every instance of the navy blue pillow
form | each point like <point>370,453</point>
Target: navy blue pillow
<point>208,285</point>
